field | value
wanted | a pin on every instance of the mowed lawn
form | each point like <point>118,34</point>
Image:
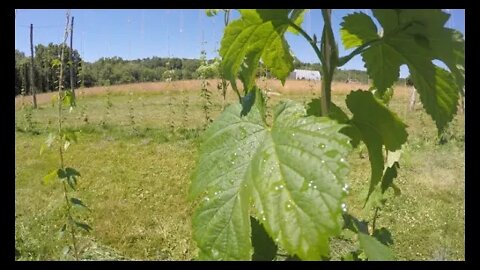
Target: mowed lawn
<point>136,159</point>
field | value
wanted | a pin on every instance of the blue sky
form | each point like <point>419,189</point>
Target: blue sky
<point>136,33</point>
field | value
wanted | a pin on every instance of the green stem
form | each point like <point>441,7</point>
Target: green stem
<point>309,39</point>
<point>343,60</point>
<point>375,219</point>
<point>226,17</point>
<point>60,96</point>
<point>70,219</point>
<point>330,60</point>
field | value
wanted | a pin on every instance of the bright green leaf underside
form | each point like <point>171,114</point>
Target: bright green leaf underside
<point>415,38</point>
<point>293,173</point>
<point>374,250</point>
<point>378,126</point>
<point>357,28</point>
<point>258,34</point>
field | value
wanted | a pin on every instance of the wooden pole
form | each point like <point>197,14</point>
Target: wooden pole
<point>413,98</point>
<point>32,84</point>
<point>72,81</point>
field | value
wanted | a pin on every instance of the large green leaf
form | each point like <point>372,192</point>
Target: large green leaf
<point>438,94</point>
<point>374,250</point>
<point>383,65</point>
<point>415,38</point>
<point>314,107</point>
<point>294,171</point>
<point>257,34</point>
<point>357,28</point>
<point>296,16</point>
<point>221,222</point>
<point>378,126</point>
<point>47,179</point>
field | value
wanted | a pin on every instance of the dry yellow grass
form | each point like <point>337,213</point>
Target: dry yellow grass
<point>291,86</point>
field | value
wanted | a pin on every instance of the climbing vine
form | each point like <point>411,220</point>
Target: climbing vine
<point>286,181</point>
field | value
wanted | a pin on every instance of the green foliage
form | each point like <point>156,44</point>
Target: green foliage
<point>299,208</point>
<point>357,29</point>
<point>79,203</point>
<point>108,107</point>
<point>65,137</point>
<point>83,226</point>
<point>46,65</point>
<point>205,93</point>
<point>385,96</point>
<point>269,164</point>
<point>263,31</point>
<point>171,108</point>
<point>378,126</point>
<point>374,250</point>
<point>131,113</point>
<point>211,12</point>
<point>414,38</point>
<point>29,124</point>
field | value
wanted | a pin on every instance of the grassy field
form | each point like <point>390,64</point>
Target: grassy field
<point>136,159</point>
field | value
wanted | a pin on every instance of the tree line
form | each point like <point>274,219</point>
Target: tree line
<point>115,70</point>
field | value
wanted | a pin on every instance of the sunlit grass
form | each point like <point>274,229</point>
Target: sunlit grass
<point>135,178</point>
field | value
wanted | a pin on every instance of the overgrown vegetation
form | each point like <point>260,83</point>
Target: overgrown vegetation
<point>286,183</point>
<point>290,174</point>
<point>136,185</point>
<point>67,175</point>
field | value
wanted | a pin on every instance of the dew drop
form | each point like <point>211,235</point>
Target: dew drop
<point>293,134</point>
<point>315,187</point>
<point>342,160</point>
<point>276,240</point>
<point>264,218</point>
<point>345,188</point>
<point>323,161</point>
<point>322,145</point>
<point>207,199</point>
<point>280,187</point>
<point>289,204</point>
